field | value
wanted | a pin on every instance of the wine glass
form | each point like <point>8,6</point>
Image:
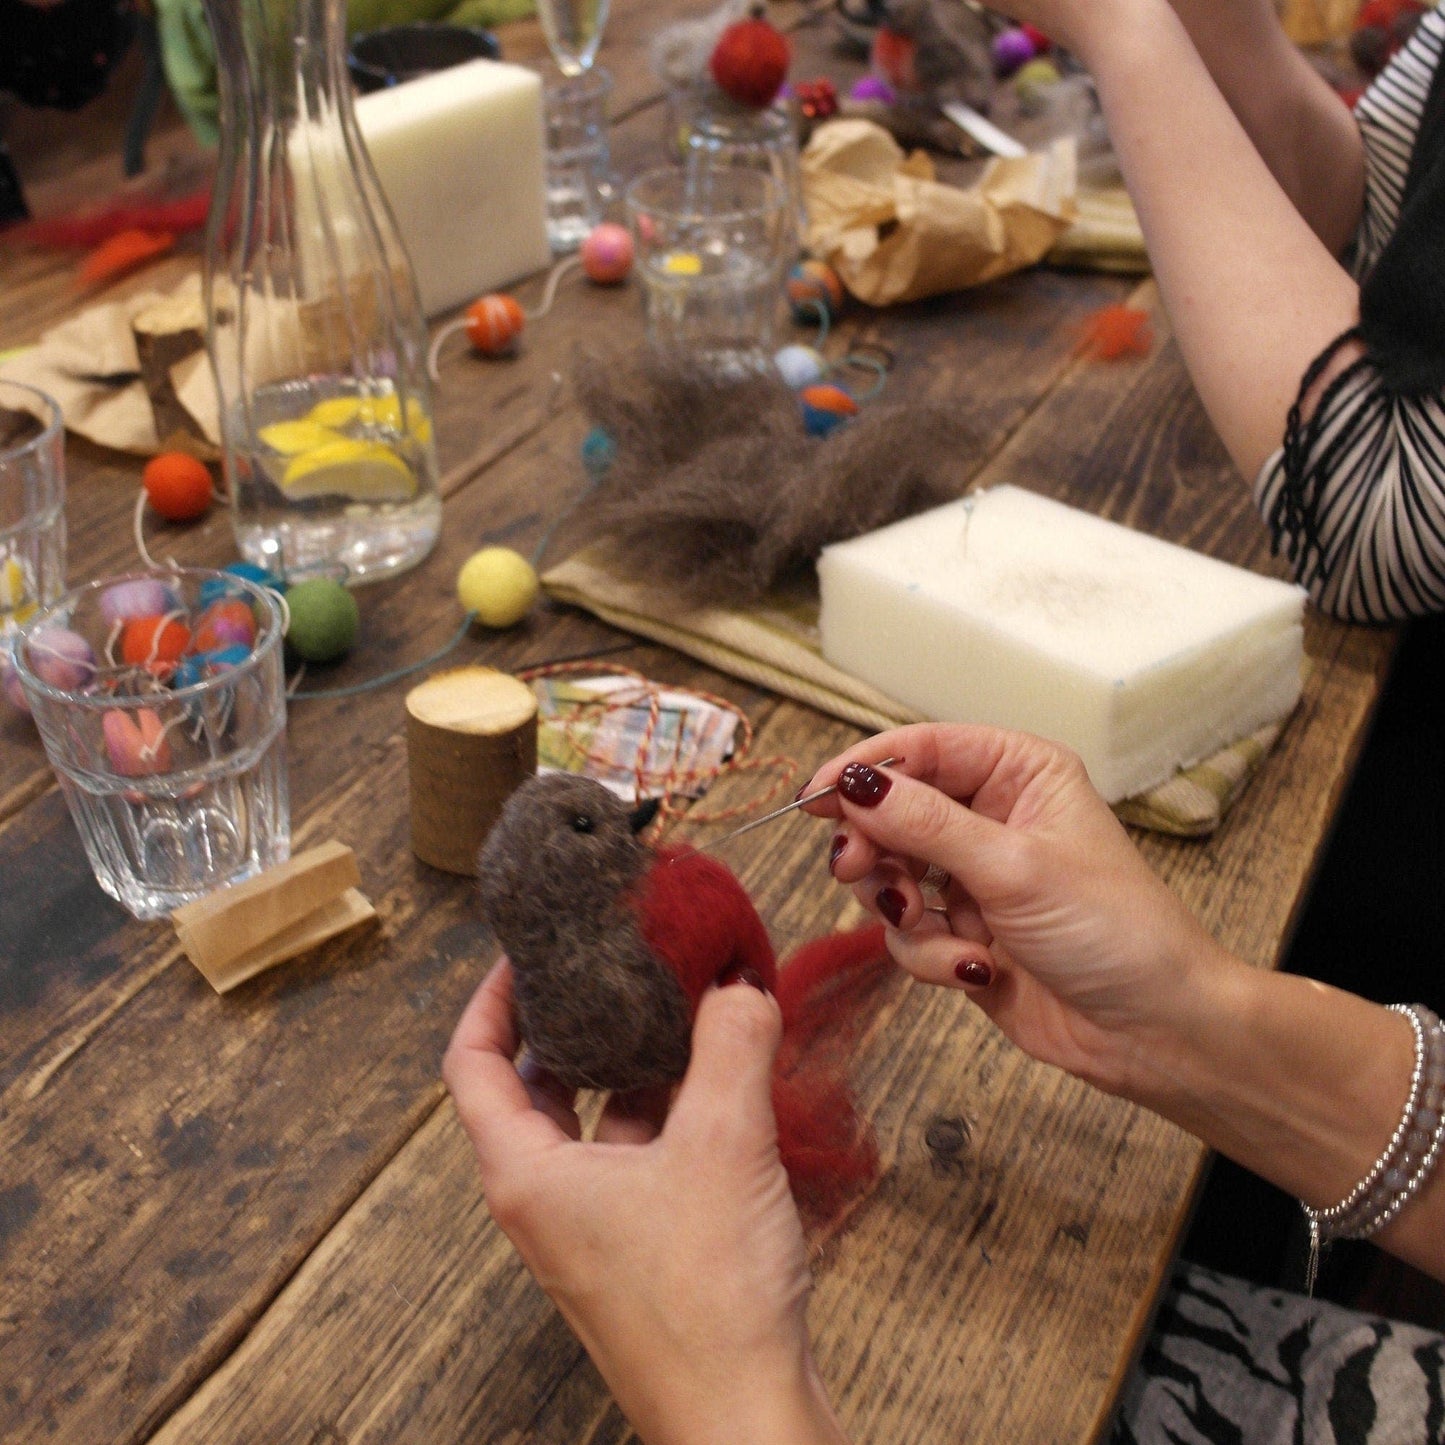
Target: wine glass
<point>574,30</point>
<point>579,156</point>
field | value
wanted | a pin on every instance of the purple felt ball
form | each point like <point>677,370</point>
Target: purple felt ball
<point>1011,49</point>
<point>140,597</point>
<point>873,87</point>
<point>60,657</point>
<point>10,687</point>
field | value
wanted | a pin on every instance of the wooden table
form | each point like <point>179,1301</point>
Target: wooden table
<point>255,1218</point>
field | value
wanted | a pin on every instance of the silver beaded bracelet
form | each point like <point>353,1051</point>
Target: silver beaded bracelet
<point>1414,1148</point>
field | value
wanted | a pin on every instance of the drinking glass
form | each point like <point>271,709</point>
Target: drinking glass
<point>579,158</point>
<point>711,250</point>
<point>32,503</point>
<point>574,30</point>
<point>721,134</point>
<point>161,701</point>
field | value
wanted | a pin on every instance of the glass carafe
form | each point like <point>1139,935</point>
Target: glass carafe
<point>315,325</point>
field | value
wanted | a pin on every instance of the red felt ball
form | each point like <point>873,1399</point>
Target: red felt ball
<point>177,486</point>
<point>1042,43</point>
<point>154,643</point>
<point>607,253</point>
<point>750,61</point>
<point>494,323</point>
<point>892,57</point>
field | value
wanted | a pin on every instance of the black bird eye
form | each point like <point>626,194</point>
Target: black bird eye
<point>581,823</point>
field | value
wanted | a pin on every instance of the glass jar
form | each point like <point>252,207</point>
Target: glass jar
<point>721,134</point>
<point>315,326</point>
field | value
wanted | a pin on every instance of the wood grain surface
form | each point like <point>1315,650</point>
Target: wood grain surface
<point>254,1218</point>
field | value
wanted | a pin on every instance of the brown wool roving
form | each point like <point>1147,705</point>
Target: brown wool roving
<point>718,493</point>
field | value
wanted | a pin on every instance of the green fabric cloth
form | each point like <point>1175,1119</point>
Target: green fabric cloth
<point>190,57</point>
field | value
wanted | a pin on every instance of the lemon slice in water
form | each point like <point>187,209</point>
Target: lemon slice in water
<point>291,438</point>
<point>359,470</point>
<point>372,411</point>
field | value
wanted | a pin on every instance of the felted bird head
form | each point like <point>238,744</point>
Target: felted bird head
<point>560,874</point>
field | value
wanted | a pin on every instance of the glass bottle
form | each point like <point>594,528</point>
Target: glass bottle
<point>316,332</point>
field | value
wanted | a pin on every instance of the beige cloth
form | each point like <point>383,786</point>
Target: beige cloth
<point>775,645</point>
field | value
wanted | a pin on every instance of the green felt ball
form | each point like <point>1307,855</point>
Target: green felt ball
<point>324,619</point>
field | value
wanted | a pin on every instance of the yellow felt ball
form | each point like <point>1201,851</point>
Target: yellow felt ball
<point>499,585</point>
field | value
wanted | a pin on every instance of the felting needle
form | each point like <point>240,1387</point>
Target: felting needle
<point>778,812</point>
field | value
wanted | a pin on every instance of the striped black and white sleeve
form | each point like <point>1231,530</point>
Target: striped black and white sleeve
<point>1376,514</point>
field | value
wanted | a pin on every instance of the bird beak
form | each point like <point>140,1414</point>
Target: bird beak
<point>643,814</point>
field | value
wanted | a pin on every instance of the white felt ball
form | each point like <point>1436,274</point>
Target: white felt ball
<point>799,366</point>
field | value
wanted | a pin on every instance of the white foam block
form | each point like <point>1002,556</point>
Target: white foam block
<point>1010,609</point>
<point>460,155</point>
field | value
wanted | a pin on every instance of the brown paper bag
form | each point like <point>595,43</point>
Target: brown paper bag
<point>894,233</point>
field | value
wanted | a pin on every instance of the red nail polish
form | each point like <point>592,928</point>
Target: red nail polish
<point>891,904</point>
<point>835,852</point>
<point>973,971</point>
<point>749,976</point>
<point>865,786</point>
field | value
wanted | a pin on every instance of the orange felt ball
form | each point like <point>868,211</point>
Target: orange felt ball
<point>494,323</point>
<point>155,643</point>
<point>177,486</point>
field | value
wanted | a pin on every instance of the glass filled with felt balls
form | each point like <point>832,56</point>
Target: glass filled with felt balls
<point>160,698</point>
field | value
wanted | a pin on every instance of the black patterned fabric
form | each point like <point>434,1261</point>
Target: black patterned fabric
<point>1230,1363</point>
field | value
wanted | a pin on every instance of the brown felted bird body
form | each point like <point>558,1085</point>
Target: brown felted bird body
<point>613,945</point>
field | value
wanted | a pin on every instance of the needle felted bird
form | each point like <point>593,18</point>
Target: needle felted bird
<point>614,943</point>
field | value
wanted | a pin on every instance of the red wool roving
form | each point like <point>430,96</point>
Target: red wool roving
<point>694,914</point>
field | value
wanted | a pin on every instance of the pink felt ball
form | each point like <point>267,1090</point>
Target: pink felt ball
<point>137,747</point>
<point>60,657</point>
<point>10,687</point>
<point>607,254</point>
<point>140,597</point>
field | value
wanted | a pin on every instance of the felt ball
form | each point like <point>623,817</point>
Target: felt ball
<point>750,61</point>
<point>799,366</point>
<point>154,643</point>
<point>224,657</point>
<point>811,284</point>
<point>141,597</point>
<point>214,588</point>
<point>1032,82</point>
<point>60,657</point>
<point>825,408</point>
<point>873,88</point>
<point>494,323</point>
<point>226,622</point>
<point>178,486</point>
<point>324,619</point>
<point>499,585</point>
<point>17,594</point>
<point>136,746</point>
<point>607,253</point>
<point>10,688</point>
<point>599,451</point>
<point>1010,49</point>
<point>1041,42</point>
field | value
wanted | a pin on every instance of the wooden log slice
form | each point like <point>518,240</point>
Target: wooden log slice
<point>471,738</point>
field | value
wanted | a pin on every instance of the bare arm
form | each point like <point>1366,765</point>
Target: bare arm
<point>1300,127</point>
<point>1253,294</point>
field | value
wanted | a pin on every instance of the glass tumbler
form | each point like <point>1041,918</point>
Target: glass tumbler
<point>721,134</point>
<point>161,701</point>
<point>711,249</point>
<point>579,156</point>
<point>32,503</point>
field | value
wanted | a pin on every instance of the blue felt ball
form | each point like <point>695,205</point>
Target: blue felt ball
<point>799,366</point>
<point>215,588</point>
<point>598,451</point>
